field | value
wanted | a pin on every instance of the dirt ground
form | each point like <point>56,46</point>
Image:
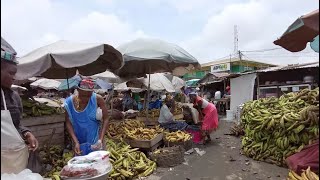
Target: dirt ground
<point>222,161</point>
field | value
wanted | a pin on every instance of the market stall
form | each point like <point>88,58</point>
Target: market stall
<point>213,82</point>
<point>292,78</point>
<point>45,121</point>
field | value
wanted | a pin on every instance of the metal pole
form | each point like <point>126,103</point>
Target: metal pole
<point>111,99</point>
<point>224,86</point>
<point>258,86</point>
<point>148,96</point>
<point>67,80</point>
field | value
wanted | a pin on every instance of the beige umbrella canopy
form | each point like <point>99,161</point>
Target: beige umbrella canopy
<point>62,59</point>
<point>109,77</point>
<point>148,56</point>
<point>158,82</point>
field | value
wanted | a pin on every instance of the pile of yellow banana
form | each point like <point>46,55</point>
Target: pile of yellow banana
<point>117,129</point>
<point>143,133</point>
<point>128,163</point>
<point>305,175</point>
<point>152,113</point>
<point>177,136</point>
<point>178,109</point>
<point>276,128</point>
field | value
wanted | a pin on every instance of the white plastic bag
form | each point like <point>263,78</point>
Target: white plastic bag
<point>93,164</point>
<point>99,114</point>
<point>25,175</point>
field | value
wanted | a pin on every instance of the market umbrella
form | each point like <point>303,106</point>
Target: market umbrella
<point>192,82</point>
<point>75,80</point>
<point>305,29</point>
<point>46,84</point>
<point>17,87</point>
<point>29,80</point>
<point>121,87</point>
<point>109,77</point>
<point>63,58</point>
<point>177,82</point>
<point>158,82</point>
<point>148,56</point>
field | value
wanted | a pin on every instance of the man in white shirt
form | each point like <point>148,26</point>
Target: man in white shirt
<point>166,118</point>
<point>217,95</point>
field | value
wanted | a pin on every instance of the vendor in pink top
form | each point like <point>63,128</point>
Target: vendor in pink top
<point>208,115</point>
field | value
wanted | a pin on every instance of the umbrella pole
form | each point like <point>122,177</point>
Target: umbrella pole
<point>148,96</point>
<point>67,80</point>
<point>111,102</point>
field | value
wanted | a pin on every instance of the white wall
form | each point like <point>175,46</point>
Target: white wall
<point>242,89</point>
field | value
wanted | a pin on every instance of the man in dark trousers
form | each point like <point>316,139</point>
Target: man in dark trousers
<point>16,140</point>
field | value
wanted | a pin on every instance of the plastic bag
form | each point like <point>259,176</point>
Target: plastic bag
<point>25,175</point>
<point>99,114</point>
<point>97,146</point>
<point>93,164</point>
<point>309,156</point>
<point>34,162</point>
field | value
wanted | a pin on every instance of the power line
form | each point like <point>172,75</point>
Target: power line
<point>263,50</point>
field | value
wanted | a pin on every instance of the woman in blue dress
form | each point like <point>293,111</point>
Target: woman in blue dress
<point>84,122</point>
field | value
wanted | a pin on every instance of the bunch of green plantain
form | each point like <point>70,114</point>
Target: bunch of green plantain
<point>55,158</point>
<point>275,128</point>
<point>128,163</point>
<point>34,109</point>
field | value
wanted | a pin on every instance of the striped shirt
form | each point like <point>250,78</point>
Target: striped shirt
<point>14,105</point>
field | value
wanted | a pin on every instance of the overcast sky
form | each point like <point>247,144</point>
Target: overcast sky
<point>202,27</point>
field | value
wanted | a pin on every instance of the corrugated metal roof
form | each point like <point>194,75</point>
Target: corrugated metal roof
<point>233,60</point>
<point>216,77</point>
<point>221,74</point>
<point>282,68</point>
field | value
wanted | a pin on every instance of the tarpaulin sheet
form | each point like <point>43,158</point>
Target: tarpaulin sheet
<point>309,156</point>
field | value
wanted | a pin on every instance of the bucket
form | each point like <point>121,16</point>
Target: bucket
<point>230,115</point>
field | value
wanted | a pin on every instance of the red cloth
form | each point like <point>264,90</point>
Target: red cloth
<point>309,156</point>
<point>196,135</point>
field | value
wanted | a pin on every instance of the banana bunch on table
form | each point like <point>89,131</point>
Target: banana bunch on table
<point>276,128</point>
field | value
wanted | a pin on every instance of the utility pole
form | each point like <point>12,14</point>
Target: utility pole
<point>236,40</point>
